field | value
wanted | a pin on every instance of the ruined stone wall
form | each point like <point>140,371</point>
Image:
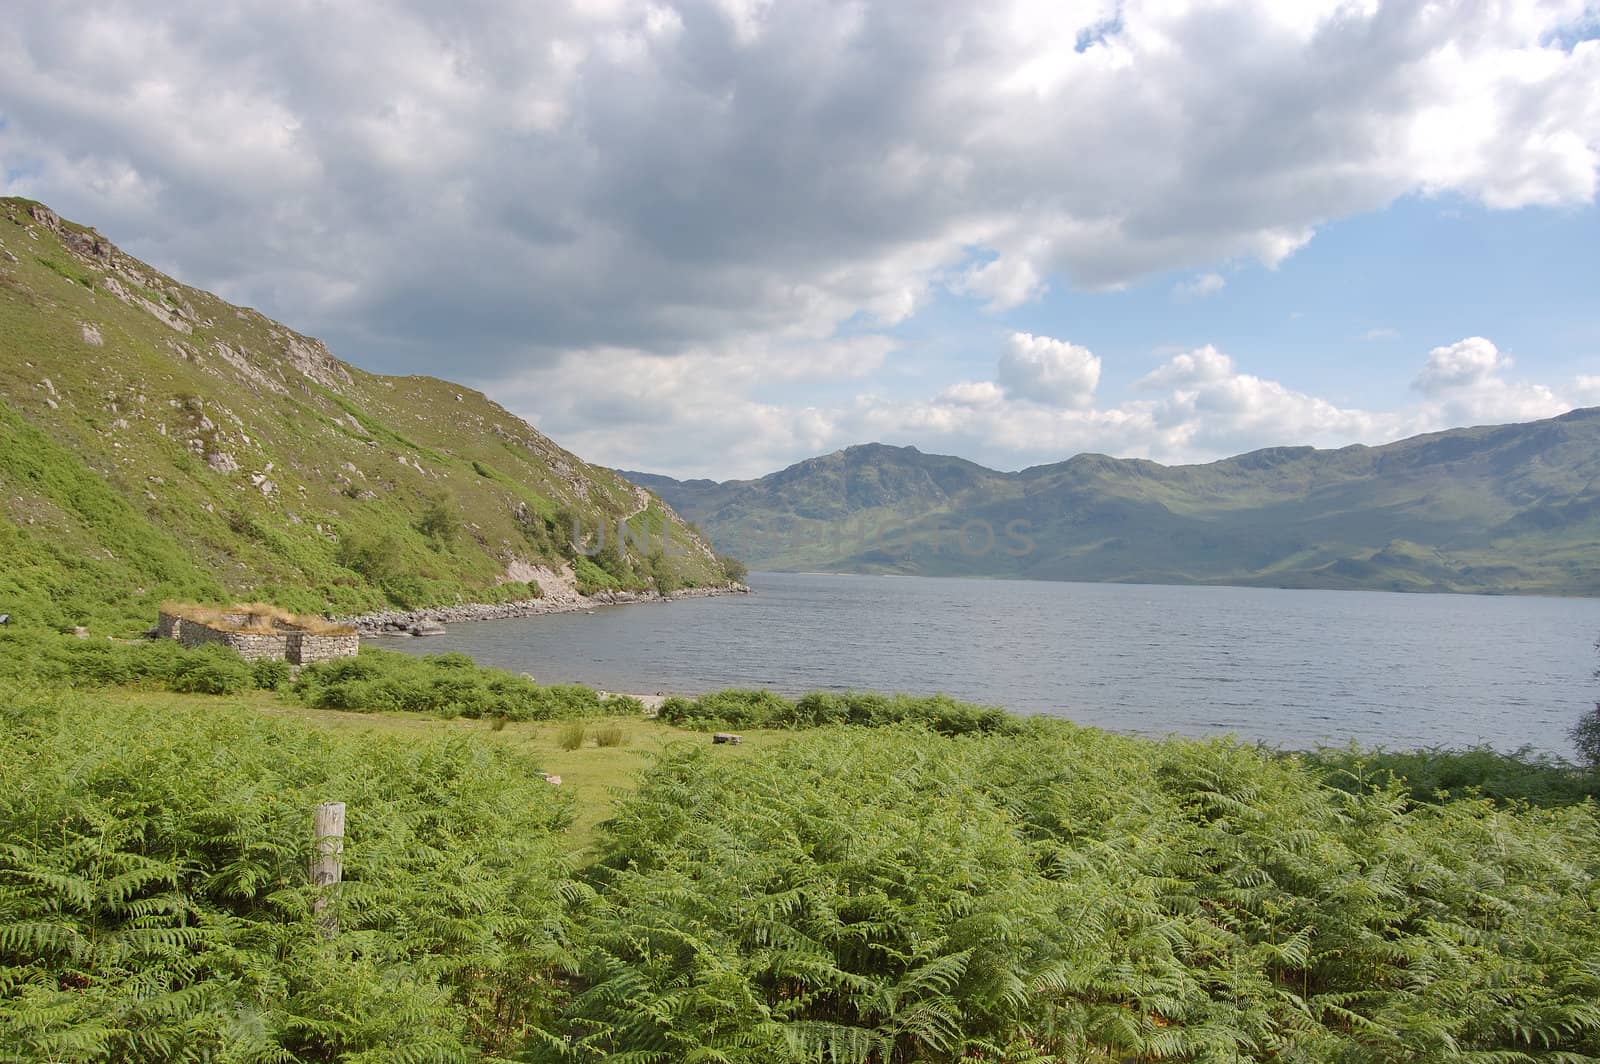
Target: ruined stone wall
<point>284,643</point>
<point>271,647</point>
<point>250,646</point>
<point>307,649</point>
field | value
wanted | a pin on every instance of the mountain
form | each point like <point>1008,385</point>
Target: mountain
<point>156,441</point>
<point>1509,508</point>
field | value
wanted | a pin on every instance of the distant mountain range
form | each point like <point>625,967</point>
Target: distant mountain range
<point>1504,509</point>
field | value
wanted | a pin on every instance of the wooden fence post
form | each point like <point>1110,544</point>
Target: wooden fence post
<point>327,863</point>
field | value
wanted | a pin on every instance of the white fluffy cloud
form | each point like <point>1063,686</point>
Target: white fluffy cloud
<point>1195,405</point>
<point>1048,371</point>
<point>687,415</point>
<point>523,179</point>
<point>1463,382</point>
<point>538,192</point>
<point>1464,364</point>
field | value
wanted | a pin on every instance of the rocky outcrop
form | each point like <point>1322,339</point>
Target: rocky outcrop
<point>45,216</point>
<point>406,622</point>
<point>172,317</point>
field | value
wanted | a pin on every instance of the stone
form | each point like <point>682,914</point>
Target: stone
<point>284,642</point>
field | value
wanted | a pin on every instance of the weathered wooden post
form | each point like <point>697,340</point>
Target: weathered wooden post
<point>327,864</point>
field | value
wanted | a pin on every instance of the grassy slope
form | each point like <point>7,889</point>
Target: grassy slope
<point>1511,508</point>
<point>156,440</point>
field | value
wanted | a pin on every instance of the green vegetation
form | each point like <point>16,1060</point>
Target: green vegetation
<point>1514,508</point>
<point>154,905</point>
<point>70,273</point>
<point>764,709</point>
<point>1586,737</point>
<point>934,882</point>
<point>444,685</point>
<point>440,524</point>
<point>1062,895</point>
<point>1586,733</point>
<point>736,570</point>
<point>199,451</point>
<point>45,659</point>
<point>1436,775</point>
<point>572,735</point>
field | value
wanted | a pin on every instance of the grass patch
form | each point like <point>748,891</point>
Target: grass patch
<point>66,270</point>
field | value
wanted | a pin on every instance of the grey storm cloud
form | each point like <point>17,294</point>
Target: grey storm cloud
<point>497,187</point>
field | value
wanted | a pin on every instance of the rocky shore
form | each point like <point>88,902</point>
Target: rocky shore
<point>431,621</point>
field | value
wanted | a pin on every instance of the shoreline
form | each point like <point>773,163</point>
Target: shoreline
<point>400,623</point>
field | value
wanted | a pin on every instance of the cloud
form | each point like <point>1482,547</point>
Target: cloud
<point>693,415</point>
<point>1048,371</point>
<point>513,182</point>
<point>673,230</point>
<point>1466,363</point>
<point>1203,365</point>
<point>1464,383</point>
<point>1206,284</point>
<point>1199,405</point>
<point>1380,333</point>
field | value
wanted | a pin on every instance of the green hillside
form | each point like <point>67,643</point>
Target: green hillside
<point>156,441</point>
<point>1512,508</point>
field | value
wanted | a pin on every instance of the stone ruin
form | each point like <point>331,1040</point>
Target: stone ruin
<point>259,633</point>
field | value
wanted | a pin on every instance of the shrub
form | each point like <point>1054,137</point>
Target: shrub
<point>764,709</point>
<point>440,523</point>
<point>571,735</point>
<point>450,685</point>
<point>375,557</point>
<point>270,675</point>
<point>734,569</point>
<point>816,710</point>
<point>676,709</point>
<point>735,708</point>
<point>609,735</point>
<point>563,700</point>
<point>621,706</point>
<point>212,670</point>
<point>663,576</point>
<point>1586,738</point>
<point>1436,774</point>
<point>589,578</point>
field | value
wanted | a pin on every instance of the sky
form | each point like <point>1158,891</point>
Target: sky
<point>714,238</point>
